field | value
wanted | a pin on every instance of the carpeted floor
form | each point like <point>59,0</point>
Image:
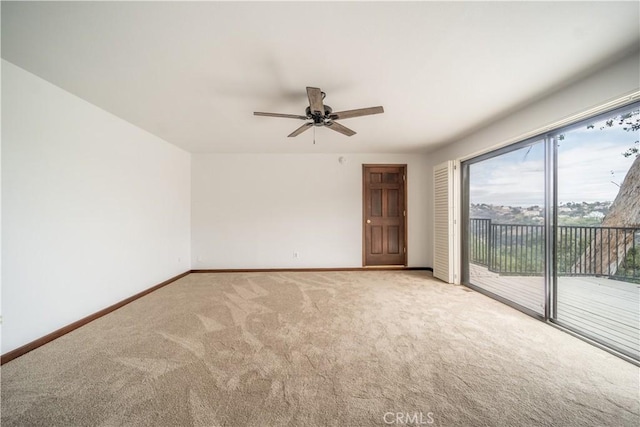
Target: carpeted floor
<point>316,349</point>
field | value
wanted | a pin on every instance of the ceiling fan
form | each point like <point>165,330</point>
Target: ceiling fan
<point>319,114</point>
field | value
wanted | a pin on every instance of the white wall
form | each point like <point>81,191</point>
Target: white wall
<point>94,209</point>
<point>256,210</point>
<point>614,81</point>
<point>602,87</point>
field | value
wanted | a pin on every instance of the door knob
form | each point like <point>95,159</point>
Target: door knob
<point>368,221</point>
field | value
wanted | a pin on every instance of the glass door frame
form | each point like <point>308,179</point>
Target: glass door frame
<point>550,139</point>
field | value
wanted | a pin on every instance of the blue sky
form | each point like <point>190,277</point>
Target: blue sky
<point>590,164</point>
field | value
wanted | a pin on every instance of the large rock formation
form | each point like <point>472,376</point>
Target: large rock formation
<point>610,245</point>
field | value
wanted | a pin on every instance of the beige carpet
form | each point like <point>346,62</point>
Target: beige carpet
<point>316,349</point>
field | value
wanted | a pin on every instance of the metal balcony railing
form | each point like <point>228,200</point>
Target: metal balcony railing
<point>519,249</point>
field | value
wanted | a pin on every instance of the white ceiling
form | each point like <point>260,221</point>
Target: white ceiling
<point>193,73</point>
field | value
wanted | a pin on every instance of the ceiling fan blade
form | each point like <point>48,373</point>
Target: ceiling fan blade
<point>300,130</point>
<point>286,116</point>
<point>315,99</point>
<point>339,128</point>
<point>356,113</point>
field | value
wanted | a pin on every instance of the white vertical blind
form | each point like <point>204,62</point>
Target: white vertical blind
<point>445,248</point>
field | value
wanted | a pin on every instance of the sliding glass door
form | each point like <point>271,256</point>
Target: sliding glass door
<point>551,226</point>
<point>598,232</point>
<point>506,231</point>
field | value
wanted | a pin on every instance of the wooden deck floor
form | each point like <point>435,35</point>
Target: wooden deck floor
<point>604,309</point>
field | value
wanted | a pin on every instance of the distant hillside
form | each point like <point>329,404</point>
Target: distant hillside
<point>571,213</point>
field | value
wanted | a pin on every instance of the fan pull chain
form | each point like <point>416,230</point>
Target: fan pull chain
<point>314,135</point>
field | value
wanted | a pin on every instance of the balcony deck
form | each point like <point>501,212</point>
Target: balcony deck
<point>604,309</point>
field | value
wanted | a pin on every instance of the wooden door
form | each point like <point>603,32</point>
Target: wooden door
<point>385,215</point>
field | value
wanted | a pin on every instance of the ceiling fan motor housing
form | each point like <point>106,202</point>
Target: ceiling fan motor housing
<point>319,119</point>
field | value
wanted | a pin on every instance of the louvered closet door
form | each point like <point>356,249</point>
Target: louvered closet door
<point>444,230</point>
